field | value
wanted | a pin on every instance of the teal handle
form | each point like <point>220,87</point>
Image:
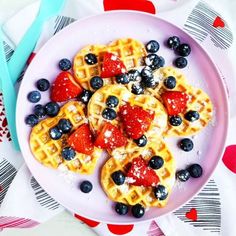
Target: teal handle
<point>9,95</point>
<point>24,49</point>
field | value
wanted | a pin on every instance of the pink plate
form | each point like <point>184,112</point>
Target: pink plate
<point>201,72</point>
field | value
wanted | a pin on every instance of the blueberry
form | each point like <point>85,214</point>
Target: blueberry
<point>31,120</point>
<point>118,177</point>
<point>160,192</point>
<point>183,175</point>
<point>86,186</point>
<point>96,82</point>
<point>184,50</point>
<point>34,96</point>
<point>138,210</point>
<point>55,133</point>
<point>134,75</point>
<point>109,114</point>
<point>42,85</point>
<point>64,125</point>
<point>154,61</point>
<point>152,46</point>
<point>39,111</point>
<point>192,116</point>
<point>156,162</point>
<point>195,170</point>
<point>170,82</point>
<point>148,79</point>
<point>64,64</point>
<point>68,153</point>
<point>186,144</point>
<point>173,42</point>
<point>161,61</point>
<point>52,109</point>
<point>121,208</point>
<point>85,96</point>
<point>175,120</point>
<point>137,89</point>
<point>112,101</point>
<point>180,62</point>
<point>91,59</point>
<point>142,141</point>
<point>122,79</point>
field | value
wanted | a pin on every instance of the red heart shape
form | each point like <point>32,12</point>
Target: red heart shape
<point>218,22</point>
<point>192,214</point>
<point>138,5</point>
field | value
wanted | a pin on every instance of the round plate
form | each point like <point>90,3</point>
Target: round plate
<point>102,29</point>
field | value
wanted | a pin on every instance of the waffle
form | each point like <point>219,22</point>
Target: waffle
<point>130,194</point>
<point>48,151</point>
<point>130,51</point>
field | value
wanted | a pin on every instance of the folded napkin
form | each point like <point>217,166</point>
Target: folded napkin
<point>211,212</point>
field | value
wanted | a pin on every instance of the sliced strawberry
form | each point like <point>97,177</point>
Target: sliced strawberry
<point>140,174</point>
<point>175,102</point>
<point>110,137</point>
<point>136,120</point>
<point>112,65</point>
<point>64,88</point>
<point>81,140</point>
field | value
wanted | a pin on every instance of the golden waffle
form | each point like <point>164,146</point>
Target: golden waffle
<point>130,194</point>
<point>130,51</point>
<point>48,151</point>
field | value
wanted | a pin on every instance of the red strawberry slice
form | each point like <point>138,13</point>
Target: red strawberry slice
<point>140,174</point>
<point>175,102</point>
<point>112,65</point>
<point>110,137</point>
<point>81,140</point>
<point>64,88</point>
<point>136,120</point>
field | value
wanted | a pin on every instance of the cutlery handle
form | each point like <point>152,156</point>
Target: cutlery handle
<point>23,50</point>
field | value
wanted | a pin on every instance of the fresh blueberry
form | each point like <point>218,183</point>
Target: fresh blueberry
<point>183,175</point>
<point>195,170</point>
<point>156,162</point>
<point>68,153</point>
<point>152,46</point>
<point>186,144</point>
<point>154,61</point>
<point>96,82</point>
<point>170,82</point>
<point>161,61</point>
<point>39,111</point>
<point>180,62</point>
<point>138,210</point>
<point>148,79</point>
<point>118,177</point>
<point>64,64</point>
<point>160,192</point>
<point>134,75</point>
<point>91,59</point>
<point>142,141</point>
<point>122,79</point>
<point>52,109</point>
<point>34,96</point>
<point>86,186</point>
<point>112,101</point>
<point>64,125</point>
<point>31,120</point>
<point>109,114</point>
<point>137,89</point>
<point>173,42</point>
<point>121,208</point>
<point>175,120</point>
<point>55,133</point>
<point>184,50</point>
<point>42,85</point>
<point>192,116</point>
<point>85,96</point>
